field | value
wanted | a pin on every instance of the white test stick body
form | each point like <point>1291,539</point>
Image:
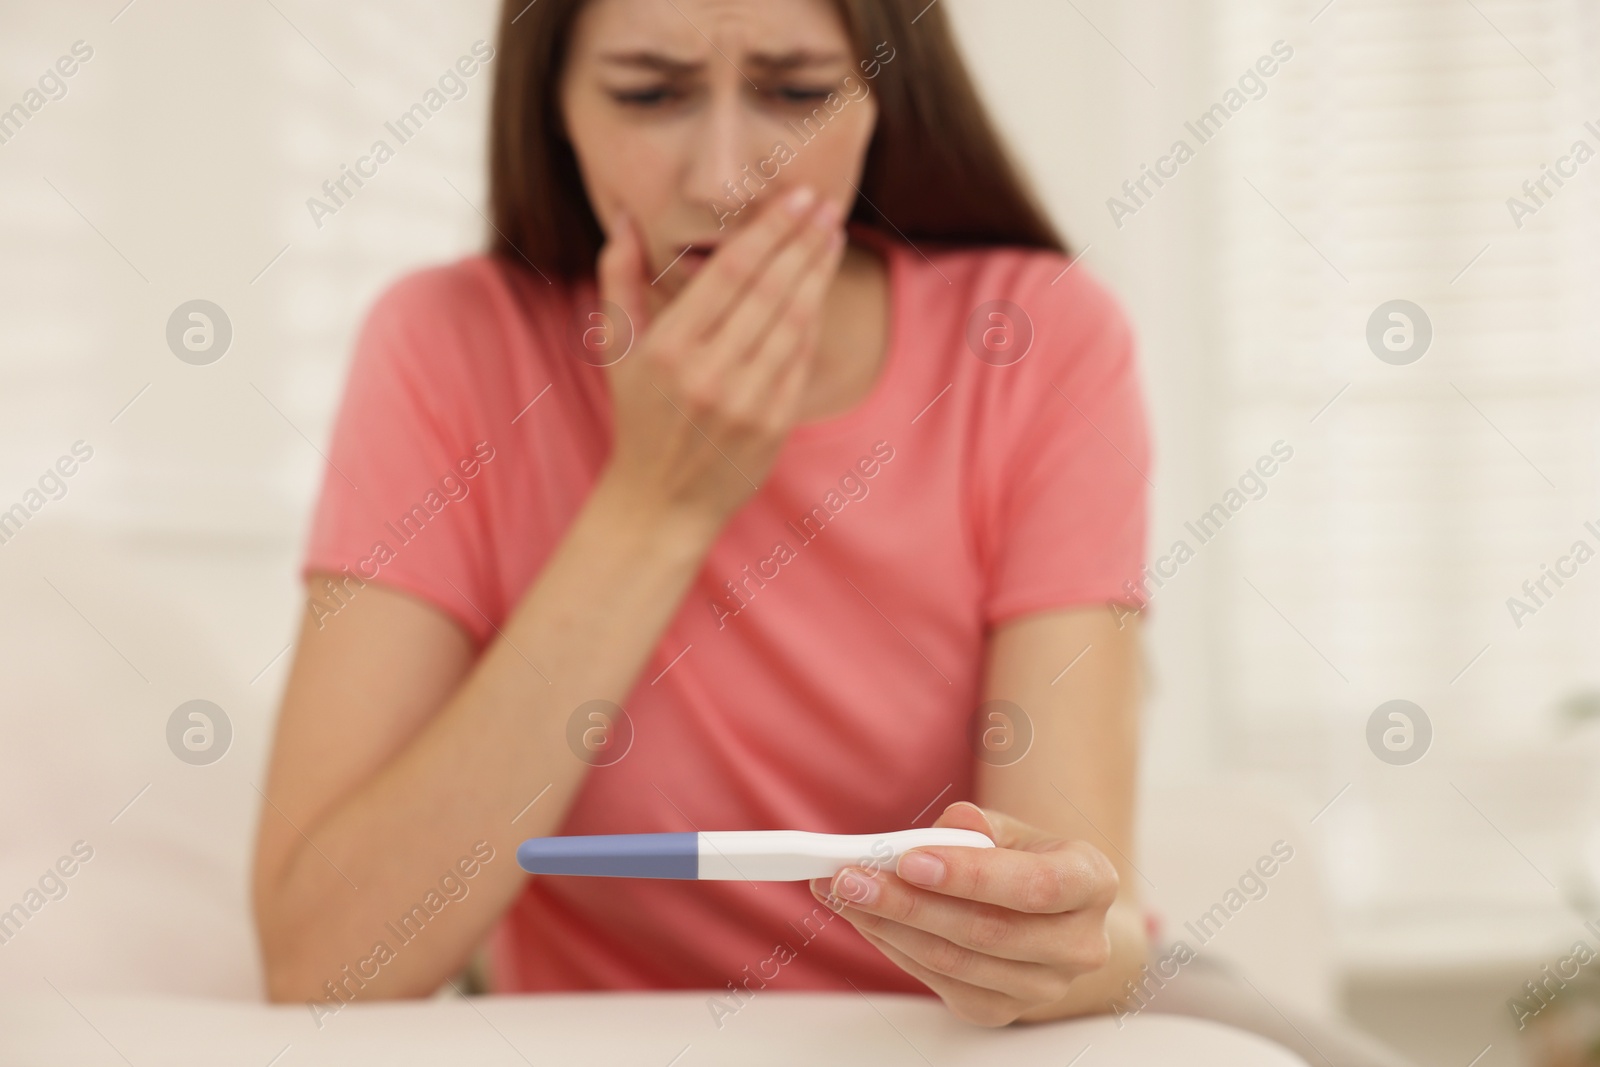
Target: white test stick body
<point>796,855</point>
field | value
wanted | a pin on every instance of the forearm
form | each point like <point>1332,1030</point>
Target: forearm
<point>1102,990</point>
<point>1078,777</point>
<point>583,631</point>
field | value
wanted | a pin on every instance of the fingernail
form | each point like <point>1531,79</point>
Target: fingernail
<point>828,215</point>
<point>798,201</point>
<point>921,868</point>
<point>981,814</point>
<point>856,887</point>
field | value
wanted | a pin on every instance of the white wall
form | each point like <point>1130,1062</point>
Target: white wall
<point>183,152</point>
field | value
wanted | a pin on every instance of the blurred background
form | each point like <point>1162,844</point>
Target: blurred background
<point>1432,152</point>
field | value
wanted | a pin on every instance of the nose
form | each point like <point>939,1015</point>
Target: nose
<point>722,172</point>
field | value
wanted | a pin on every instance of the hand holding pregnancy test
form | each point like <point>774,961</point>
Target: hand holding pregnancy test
<point>1000,926</point>
<point>997,917</point>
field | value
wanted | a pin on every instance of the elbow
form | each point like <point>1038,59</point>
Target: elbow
<point>289,971</point>
<point>300,965</point>
<point>292,947</point>
<point>312,954</point>
<point>288,985</point>
<point>287,975</point>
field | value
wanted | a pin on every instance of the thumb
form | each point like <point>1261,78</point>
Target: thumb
<point>965,815</point>
<point>620,271</point>
<point>1002,829</point>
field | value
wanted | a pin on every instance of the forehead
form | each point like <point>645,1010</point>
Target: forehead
<point>692,32</point>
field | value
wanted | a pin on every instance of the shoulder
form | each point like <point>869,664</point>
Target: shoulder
<point>461,300</point>
<point>1040,348</point>
<point>1056,299</point>
<point>1024,323</point>
<point>465,323</point>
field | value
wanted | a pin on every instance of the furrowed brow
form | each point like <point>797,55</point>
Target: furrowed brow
<point>798,59</point>
<point>652,61</point>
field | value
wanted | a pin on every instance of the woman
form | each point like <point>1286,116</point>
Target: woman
<point>776,470</point>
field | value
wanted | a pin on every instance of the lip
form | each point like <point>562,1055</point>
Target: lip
<point>692,261</point>
<point>695,256</point>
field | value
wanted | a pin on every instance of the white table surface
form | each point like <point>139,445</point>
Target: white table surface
<point>62,1029</point>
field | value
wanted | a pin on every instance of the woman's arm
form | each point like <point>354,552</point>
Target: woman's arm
<point>1079,782</point>
<point>396,755</point>
<point>1048,924</point>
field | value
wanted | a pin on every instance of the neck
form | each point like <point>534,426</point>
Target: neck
<point>850,347</point>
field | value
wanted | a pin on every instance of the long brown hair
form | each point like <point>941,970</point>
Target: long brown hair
<point>936,170</point>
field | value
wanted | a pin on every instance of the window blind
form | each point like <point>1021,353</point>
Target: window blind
<point>1422,495</point>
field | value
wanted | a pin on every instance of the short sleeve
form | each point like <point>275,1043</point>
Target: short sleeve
<point>1071,510</point>
<point>404,486</point>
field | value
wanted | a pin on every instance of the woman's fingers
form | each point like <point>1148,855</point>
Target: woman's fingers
<point>1004,830</point>
<point>692,427</point>
<point>994,931</point>
<point>782,357</point>
<point>1030,983</point>
<point>621,270</point>
<point>1026,871</point>
<point>719,286</point>
<point>1073,941</point>
<point>772,292</point>
<point>985,1007</point>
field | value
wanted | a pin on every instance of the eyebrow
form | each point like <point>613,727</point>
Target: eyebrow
<point>766,62</point>
<point>795,60</point>
<point>651,61</point>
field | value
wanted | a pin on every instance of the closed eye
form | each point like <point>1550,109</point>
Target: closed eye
<point>646,98</point>
<point>660,95</point>
<point>796,95</point>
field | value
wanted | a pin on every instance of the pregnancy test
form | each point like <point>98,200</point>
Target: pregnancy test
<point>731,855</point>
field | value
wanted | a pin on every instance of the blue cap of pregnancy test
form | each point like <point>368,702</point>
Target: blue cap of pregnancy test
<point>675,855</point>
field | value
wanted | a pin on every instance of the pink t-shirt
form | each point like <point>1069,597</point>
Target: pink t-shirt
<point>823,669</point>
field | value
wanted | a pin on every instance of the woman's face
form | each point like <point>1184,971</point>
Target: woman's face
<point>693,115</point>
